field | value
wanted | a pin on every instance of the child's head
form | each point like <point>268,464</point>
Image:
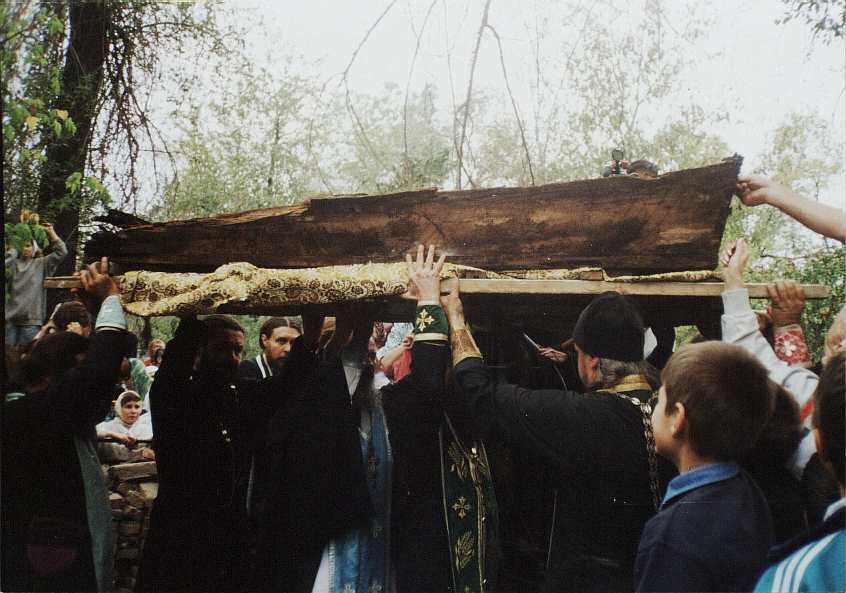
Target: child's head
<point>28,250</point>
<point>128,407</point>
<point>830,415</point>
<point>715,399</point>
<point>73,312</point>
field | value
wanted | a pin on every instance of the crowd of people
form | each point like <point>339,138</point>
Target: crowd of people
<point>356,455</point>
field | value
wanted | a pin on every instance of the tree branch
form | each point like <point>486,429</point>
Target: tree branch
<point>408,82</point>
<point>345,79</point>
<point>470,89</point>
<point>513,104</point>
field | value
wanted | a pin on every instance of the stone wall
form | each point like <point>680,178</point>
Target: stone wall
<point>133,488</point>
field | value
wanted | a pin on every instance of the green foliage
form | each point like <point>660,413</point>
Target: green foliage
<point>289,146</point>
<point>35,119</point>
<point>826,17</point>
<point>30,62</point>
<point>826,266</point>
<point>395,144</point>
<point>164,328</point>
<point>620,86</point>
<point>246,149</point>
<point>803,155</point>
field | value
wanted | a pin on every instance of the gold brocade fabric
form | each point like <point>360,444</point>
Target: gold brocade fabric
<point>463,345</point>
<point>688,276</point>
<point>160,293</point>
<point>574,274</point>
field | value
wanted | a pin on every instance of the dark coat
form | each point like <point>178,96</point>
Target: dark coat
<point>310,483</point>
<point>41,475</point>
<point>249,370</point>
<point>595,447</point>
<point>414,410</point>
<point>196,534</point>
<point>712,538</point>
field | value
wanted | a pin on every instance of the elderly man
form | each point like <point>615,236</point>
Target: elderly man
<point>599,444</point>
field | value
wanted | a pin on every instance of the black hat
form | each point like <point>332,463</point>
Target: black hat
<point>610,327</point>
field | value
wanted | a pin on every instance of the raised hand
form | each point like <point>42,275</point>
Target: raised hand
<point>424,274</point>
<point>96,281</point>
<point>754,190</point>
<point>734,259</point>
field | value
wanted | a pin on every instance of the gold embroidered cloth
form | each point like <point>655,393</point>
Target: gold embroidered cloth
<point>161,293</point>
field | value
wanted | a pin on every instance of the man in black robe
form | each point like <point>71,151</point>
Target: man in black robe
<point>208,428</point>
<point>599,444</point>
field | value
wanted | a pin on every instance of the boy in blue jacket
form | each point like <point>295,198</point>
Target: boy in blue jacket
<point>814,560</point>
<point>713,529</point>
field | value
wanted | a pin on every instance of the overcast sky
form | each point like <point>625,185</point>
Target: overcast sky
<point>748,67</point>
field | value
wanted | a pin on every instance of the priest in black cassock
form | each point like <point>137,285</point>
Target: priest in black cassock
<point>599,444</point>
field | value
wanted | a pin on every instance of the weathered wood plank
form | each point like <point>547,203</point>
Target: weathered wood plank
<point>621,224</point>
<point>556,287</point>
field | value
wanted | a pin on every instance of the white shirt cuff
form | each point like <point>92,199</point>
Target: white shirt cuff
<point>111,314</point>
<point>736,302</point>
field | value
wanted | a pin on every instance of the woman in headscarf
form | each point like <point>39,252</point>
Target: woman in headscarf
<point>127,427</point>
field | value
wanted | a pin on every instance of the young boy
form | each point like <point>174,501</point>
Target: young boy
<point>813,561</point>
<point>25,310</point>
<point>713,529</point>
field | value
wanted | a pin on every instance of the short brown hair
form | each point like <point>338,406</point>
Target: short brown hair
<point>69,312</point>
<point>218,322</point>
<point>726,396</point>
<point>51,357</point>
<point>829,414</point>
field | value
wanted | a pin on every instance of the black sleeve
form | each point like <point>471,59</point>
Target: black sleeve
<point>414,405</point>
<point>86,391</point>
<point>423,386</point>
<point>549,423</point>
<point>248,371</point>
<point>169,392</point>
<point>351,493</point>
<point>666,338</point>
<point>660,567</point>
<point>263,397</point>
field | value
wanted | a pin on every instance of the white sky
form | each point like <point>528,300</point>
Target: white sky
<point>750,67</point>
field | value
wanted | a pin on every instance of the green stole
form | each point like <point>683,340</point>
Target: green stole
<point>470,511</point>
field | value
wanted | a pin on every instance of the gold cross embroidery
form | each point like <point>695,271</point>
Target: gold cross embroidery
<point>462,507</point>
<point>423,320</point>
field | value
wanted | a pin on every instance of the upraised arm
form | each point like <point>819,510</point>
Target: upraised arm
<point>754,190</point>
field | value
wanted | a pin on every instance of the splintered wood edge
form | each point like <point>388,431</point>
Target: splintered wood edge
<point>553,287</point>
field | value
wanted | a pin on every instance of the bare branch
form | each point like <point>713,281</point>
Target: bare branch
<point>470,89</point>
<point>345,79</point>
<point>513,103</point>
<point>408,82</point>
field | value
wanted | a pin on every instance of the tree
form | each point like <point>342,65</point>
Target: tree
<point>603,88</point>
<point>82,78</point>
<point>248,147</point>
<point>401,145</point>
<point>73,74</point>
<point>826,17</point>
<point>805,156</point>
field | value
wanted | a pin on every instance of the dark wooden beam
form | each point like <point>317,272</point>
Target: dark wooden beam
<point>624,225</point>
